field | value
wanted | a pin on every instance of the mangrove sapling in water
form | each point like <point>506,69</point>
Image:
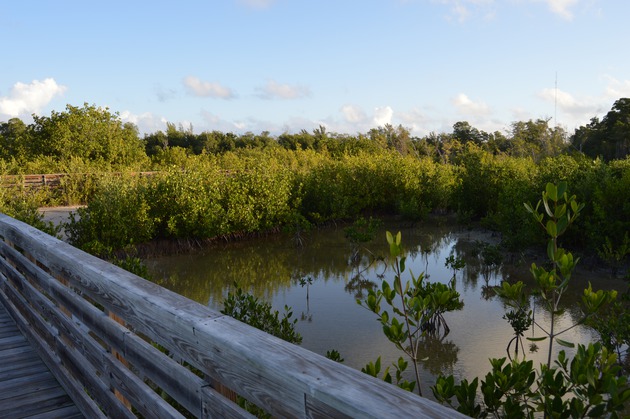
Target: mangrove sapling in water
<point>615,255</point>
<point>589,385</point>
<point>455,263</point>
<point>561,210</point>
<point>520,322</point>
<point>417,309</point>
<point>360,232</point>
<point>613,326</point>
<point>306,282</point>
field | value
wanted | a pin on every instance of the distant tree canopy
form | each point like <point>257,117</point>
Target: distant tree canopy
<point>608,138</point>
<point>96,135</point>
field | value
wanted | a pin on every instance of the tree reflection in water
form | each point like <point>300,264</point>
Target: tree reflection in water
<point>442,354</point>
<point>271,268</point>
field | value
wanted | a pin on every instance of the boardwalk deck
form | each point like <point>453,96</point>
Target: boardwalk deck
<point>27,388</point>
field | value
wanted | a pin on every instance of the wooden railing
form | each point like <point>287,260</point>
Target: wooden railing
<point>49,180</point>
<point>105,334</point>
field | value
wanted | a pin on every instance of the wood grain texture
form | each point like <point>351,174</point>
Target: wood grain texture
<point>284,379</point>
<point>27,388</point>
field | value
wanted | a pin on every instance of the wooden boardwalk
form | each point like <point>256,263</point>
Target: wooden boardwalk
<point>27,387</point>
<point>119,345</point>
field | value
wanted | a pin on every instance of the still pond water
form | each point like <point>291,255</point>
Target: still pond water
<point>276,270</point>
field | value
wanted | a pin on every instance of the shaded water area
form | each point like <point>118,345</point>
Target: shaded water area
<point>319,281</point>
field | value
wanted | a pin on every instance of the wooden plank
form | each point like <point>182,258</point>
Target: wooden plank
<point>15,341</point>
<point>9,355</point>
<point>73,388</point>
<point>23,370</point>
<point>27,387</point>
<point>35,403</point>
<point>62,412</point>
<point>37,382</point>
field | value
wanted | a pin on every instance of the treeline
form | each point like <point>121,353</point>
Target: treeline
<point>219,184</point>
<point>91,138</point>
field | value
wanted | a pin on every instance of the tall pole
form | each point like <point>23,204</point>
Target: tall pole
<point>555,102</point>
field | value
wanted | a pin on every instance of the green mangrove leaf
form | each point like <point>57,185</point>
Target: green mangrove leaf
<point>565,343</point>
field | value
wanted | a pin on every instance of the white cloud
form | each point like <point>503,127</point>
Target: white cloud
<point>575,111</point>
<point>383,116</point>
<point>467,107</point>
<point>275,90</point>
<point>352,114</point>
<point>146,122</point>
<point>197,87</point>
<point>567,103</point>
<point>561,7</point>
<point>212,122</point>
<point>30,98</point>
<point>416,121</point>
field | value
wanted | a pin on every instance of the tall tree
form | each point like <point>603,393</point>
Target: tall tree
<point>15,139</point>
<point>608,138</point>
<point>465,133</point>
<point>536,139</point>
<point>395,138</point>
<point>88,132</point>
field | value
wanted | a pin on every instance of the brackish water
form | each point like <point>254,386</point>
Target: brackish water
<point>320,283</point>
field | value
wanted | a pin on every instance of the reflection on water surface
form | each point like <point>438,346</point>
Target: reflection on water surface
<point>319,283</point>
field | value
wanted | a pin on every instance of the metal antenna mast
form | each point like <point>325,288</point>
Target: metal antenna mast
<point>555,102</point>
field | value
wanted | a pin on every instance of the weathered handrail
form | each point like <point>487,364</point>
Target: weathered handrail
<point>99,327</point>
<point>50,180</point>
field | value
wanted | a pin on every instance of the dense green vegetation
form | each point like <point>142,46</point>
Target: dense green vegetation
<point>217,184</point>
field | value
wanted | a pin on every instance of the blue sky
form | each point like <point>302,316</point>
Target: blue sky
<point>287,65</point>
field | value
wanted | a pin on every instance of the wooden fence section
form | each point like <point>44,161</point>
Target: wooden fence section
<point>105,333</point>
<point>50,180</point>
<point>47,180</point>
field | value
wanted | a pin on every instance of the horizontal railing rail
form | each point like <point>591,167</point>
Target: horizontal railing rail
<point>50,180</point>
<point>123,346</point>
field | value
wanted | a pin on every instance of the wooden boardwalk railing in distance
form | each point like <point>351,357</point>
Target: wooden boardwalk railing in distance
<point>74,303</point>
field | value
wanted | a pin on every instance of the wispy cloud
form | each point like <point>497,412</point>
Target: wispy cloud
<point>257,4</point>
<point>561,7</point>
<point>30,98</point>
<point>197,87</point>
<point>617,88</point>
<point>462,10</point>
<point>163,94</point>
<point>352,114</point>
<point>568,103</point>
<point>466,106</point>
<point>416,119</point>
<point>275,90</point>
